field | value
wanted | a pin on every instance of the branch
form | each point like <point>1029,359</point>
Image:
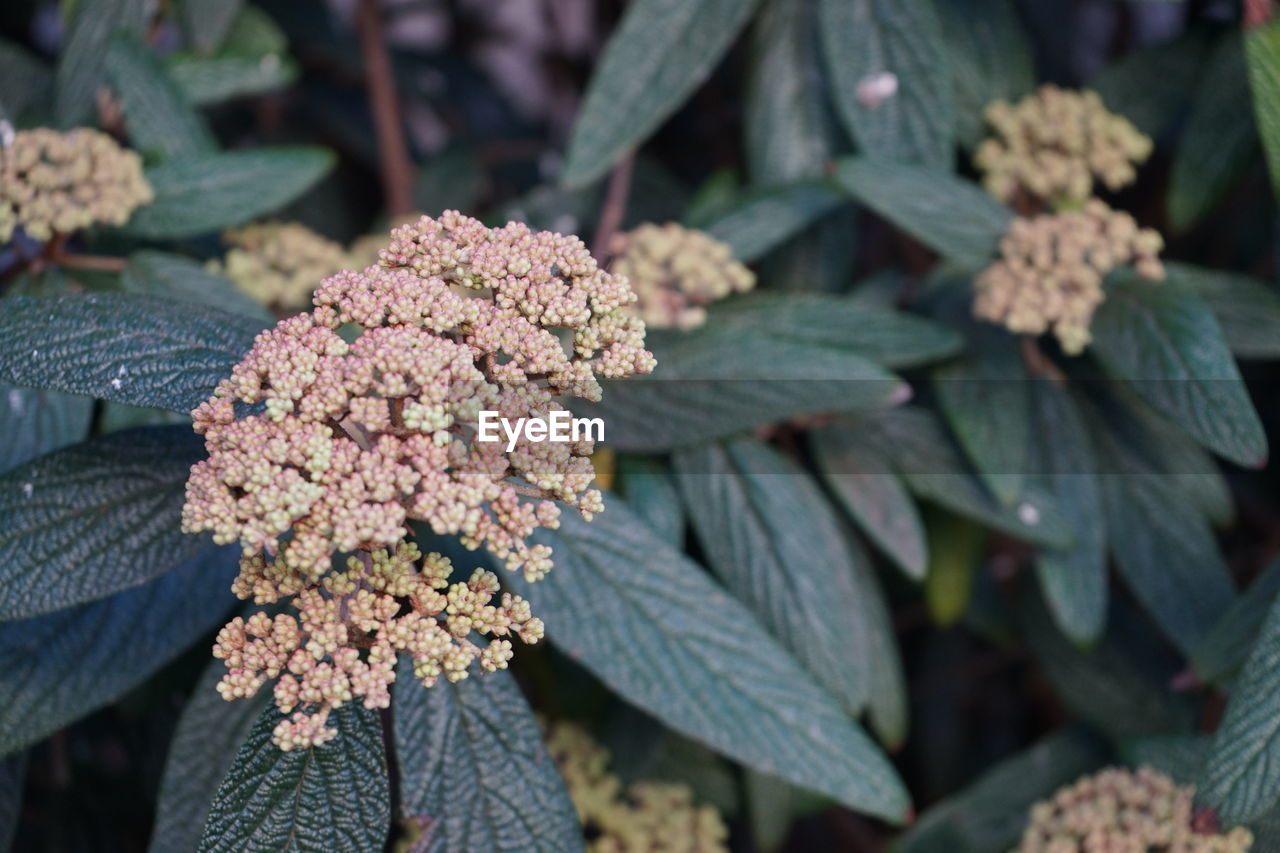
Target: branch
<point>615,204</point>
<point>393,154</point>
<point>1038,363</point>
<point>105,263</point>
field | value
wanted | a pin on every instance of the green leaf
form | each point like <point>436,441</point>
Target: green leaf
<point>56,668</point>
<point>452,180</point>
<point>332,798</point>
<point>949,215</point>
<point>208,736</point>
<point>990,59</point>
<point>200,195</point>
<point>132,349</point>
<point>985,396</point>
<point>651,491</point>
<point>13,773</point>
<point>722,379</point>
<point>219,78</point>
<point>1074,580</point>
<point>865,38</point>
<point>914,445</point>
<point>1180,756</point>
<point>179,278</point>
<point>157,116</point>
<point>1248,310</point>
<point>1163,340</point>
<point>35,422</point>
<point>770,536</point>
<point>1242,779</point>
<point>474,769</point>
<point>990,814</point>
<point>760,223</point>
<point>878,501</point>
<point>956,549</point>
<point>1262,53</point>
<point>887,711</point>
<point>1150,85</point>
<point>93,519</point>
<point>651,625</point>
<point>206,23</point>
<point>1226,647</point>
<point>1219,139</point>
<point>25,80</point>
<point>660,53</point>
<point>84,50</point>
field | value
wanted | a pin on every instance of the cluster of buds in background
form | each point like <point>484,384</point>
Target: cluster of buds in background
<point>320,446</point>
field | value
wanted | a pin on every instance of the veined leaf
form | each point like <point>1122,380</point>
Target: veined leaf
<point>1262,53</point>
<point>949,215</point>
<point>771,537</point>
<point>332,798</point>
<point>24,80</point>
<point>763,221</point>
<point>157,115</point>
<point>887,711</point>
<point>661,51</point>
<point>56,668</point>
<point>131,349</point>
<point>651,491</point>
<point>990,59</point>
<point>1150,85</point>
<point>1226,646</point>
<point>34,422</point>
<point>1164,342</point>
<point>1248,310</point>
<point>185,280</point>
<point>652,626</point>
<point>84,50</point>
<point>1242,779</point>
<point>210,732</point>
<point>93,519</point>
<point>863,39</point>
<point>212,80</point>
<point>206,23</point>
<point>231,188</point>
<point>474,768</point>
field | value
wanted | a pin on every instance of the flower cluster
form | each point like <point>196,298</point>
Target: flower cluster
<point>58,183</point>
<point>646,817</point>
<point>1118,810</point>
<point>1053,143</point>
<point>676,271</point>
<point>280,263</point>
<point>1051,268</point>
<point>322,445</point>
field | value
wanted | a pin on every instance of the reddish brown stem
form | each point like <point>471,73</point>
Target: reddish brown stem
<point>615,205</point>
<point>393,153</point>
<point>105,263</point>
<point>1038,363</point>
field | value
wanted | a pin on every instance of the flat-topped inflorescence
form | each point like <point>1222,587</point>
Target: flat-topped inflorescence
<point>279,263</point>
<point>53,182</point>
<point>323,444</point>
<point>676,272</point>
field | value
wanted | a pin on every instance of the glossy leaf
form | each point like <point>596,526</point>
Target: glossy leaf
<point>949,215</point>
<point>332,798</point>
<point>1262,53</point>
<point>93,519</point>
<point>773,540</point>
<point>56,668</point>
<point>652,626</point>
<point>1226,646</point>
<point>1164,341</point>
<point>474,769</point>
<point>660,53</point>
<point>84,50</point>
<point>232,188</point>
<point>862,39</point>
<point>132,349</point>
<point>159,119</point>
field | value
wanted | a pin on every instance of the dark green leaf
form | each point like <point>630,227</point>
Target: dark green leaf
<point>771,537</point>
<point>887,711</point>
<point>56,668</point>
<point>1247,309</point>
<point>661,51</point>
<point>474,769</point>
<point>652,626</point>
<point>13,772</point>
<point>25,81</point>
<point>1074,580</point>
<point>209,734</point>
<point>863,39</point>
<point>1242,779</point>
<point>1262,52</point>
<point>452,180</point>
<point>760,223</point>
<point>157,115</point>
<point>1219,138</point>
<point>219,78</point>
<point>651,491</point>
<point>1227,645</point>
<point>949,215</point>
<point>990,59</point>
<point>1150,85</point>
<point>93,519</point>
<point>1179,756</point>
<point>79,71</point>
<point>132,349</point>
<point>206,23</point>
<point>198,195</point>
<point>990,814</point>
<point>35,422</point>
<point>332,798</point>
<point>1164,341</point>
<point>176,277</point>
